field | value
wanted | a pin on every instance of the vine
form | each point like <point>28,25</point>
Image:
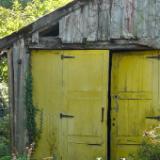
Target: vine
<point>30,109</point>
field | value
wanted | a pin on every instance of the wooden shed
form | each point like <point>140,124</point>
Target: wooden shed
<point>85,79</point>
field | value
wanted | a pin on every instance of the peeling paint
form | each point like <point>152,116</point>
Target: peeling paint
<point>115,19</point>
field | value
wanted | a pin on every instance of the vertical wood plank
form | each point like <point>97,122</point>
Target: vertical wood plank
<point>15,82</point>
<point>20,65</point>
<point>11,95</point>
<point>22,69</point>
<point>104,20</point>
<point>35,37</point>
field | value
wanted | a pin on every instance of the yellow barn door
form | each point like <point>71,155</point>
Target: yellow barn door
<point>135,100</point>
<point>47,97</point>
<point>71,87</point>
<point>85,90</point>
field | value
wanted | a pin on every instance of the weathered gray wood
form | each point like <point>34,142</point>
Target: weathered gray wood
<point>35,37</point>
<point>100,20</point>
<point>15,78</point>
<point>20,63</point>
<point>55,43</point>
<point>80,24</point>
<point>117,19</point>
<point>11,95</point>
<point>47,42</point>
<point>103,20</point>
<point>23,66</point>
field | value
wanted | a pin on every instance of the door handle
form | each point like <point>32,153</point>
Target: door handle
<point>116,107</point>
<point>102,116</point>
<point>154,118</point>
<point>65,116</point>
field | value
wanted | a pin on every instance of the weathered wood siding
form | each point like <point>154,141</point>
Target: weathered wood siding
<point>18,63</point>
<point>91,22</point>
<point>102,20</point>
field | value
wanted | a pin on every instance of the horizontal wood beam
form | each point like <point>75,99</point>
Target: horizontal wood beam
<point>49,43</point>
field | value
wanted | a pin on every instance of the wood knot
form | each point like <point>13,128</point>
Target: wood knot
<point>19,61</point>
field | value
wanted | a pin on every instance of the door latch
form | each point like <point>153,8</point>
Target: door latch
<point>65,116</point>
<point>116,107</point>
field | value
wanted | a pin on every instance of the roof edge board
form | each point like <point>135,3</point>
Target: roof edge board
<point>50,43</point>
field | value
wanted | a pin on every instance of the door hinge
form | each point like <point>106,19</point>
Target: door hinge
<point>64,56</point>
<point>65,116</point>
<point>154,57</point>
<point>154,118</point>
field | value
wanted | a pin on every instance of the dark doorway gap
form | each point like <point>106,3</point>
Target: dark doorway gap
<point>109,108</point>
<point>51,32</point>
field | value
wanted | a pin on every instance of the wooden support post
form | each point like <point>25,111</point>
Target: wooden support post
<point>20,60</point>
<point>11,95</point>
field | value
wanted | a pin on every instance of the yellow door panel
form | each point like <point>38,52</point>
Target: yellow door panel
<point>83,151</point>
<point>47,95</point>
<point>134,98</point>
<point>70,89</point>
<point>85,87</point>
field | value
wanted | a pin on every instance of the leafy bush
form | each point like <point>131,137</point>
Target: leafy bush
<point>5,158</point>
<point>26,156</point>
<point>150,148</point>
<point>4,115</point>
<point>18,158</point>
<point>19,15</point>
<point>3,70</point>
<point>4,136</point>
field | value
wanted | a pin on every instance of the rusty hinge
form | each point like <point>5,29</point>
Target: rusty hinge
<point>154,118</point>
<point>65,116</point>
<point>64,56</point>
<point>154,57</point>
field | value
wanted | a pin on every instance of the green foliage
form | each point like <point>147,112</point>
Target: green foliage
<point>9,3</point>
<point>5,158</point>
<point>6,3</point>
<point>4,138</point>
<point>14,18</point>
<point>4,117</point>
<point>147,151</point>
<point>23,157</point>
<point>3,70</point>
<point>150,148</point>
<point>30,109</point>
